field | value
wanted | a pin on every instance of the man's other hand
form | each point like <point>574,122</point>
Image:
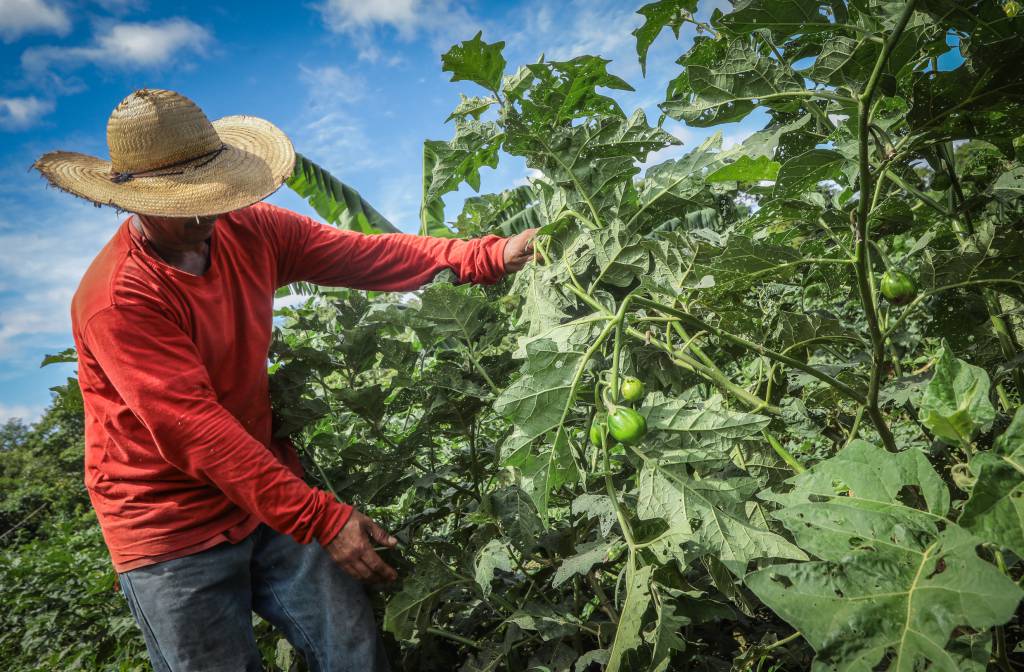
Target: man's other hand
<point>519,251</point>
<point>353,550</point>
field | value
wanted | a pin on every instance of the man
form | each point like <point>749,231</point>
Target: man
<point>205,515</point>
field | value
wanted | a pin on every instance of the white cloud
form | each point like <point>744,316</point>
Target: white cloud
<point>18,17</point>
<point>44,251</point>
<point>20,113</point>
<point>125,46</point>
<point>329,131</point>
<point>342,16</point>
<point>443,21</point>
<point>24,412</point>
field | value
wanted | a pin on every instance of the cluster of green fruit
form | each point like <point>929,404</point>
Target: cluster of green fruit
<point>623,423</point>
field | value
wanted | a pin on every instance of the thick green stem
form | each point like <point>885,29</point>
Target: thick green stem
<point>758,348</point>
<point>712,374</point>
<point>862,253</point>
<point>781,451</point>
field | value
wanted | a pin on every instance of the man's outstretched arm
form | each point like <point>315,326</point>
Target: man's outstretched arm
<point>312,252</point>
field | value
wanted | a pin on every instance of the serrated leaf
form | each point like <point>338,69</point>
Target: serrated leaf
<point>895,577</point>
<point>1011,183</point>
<point>657,16</point>
<point>995,510</point>
<point>746,169</point>
<point>588,554</point>
<point>955,405</point>
<point>494,556</point>
<point>804,172</point>
<point>704,516</point>
<point>408,611</point>
<point>476,61</point>
<point>638,598</point>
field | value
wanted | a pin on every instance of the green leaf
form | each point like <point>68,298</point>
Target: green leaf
<point>536,404</point>
<point>725,80</point>
<point>335,201</point>
<point>804,172</point>
<point>955,405</point>
<point>746,169</point>
<point>588,554</point>
<point>1011,183</point>
<point>448,310</point>
<point>476,61</point>
<point>704,516</point>
<point>620,256</point>
<point>894,578</point>
<point>995,510</point>
<point>901,602</point>
<point>638,598</point>
<point>658,15</point>
<point>494,556</point>
<point>869,475</point>
<point>408,611</point>
<point>65,356</point>
<point>782,17</point>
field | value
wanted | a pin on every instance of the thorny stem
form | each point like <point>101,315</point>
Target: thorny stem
<point>758,348</point>
<point>862,251</point>
<point>781,451</point>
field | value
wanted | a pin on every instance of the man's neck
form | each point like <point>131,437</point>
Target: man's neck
<point>192,258</point>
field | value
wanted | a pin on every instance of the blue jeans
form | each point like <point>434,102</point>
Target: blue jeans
<point>196,612</point>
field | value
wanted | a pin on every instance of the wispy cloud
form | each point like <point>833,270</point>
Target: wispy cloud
<point>23,412</point>
<point>18,17</point>
<point>442,21</point>
<point>17,114</point>
<point>331,129</point>
<point>125,46</point>
<point>43,254</point>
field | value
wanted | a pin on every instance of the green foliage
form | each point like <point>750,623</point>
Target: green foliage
<point>814,458</point>
<point>827,480</point>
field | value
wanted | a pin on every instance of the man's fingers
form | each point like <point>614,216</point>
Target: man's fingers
<point>382,571</point>
<point>378,534</point>
<point>356,568</point>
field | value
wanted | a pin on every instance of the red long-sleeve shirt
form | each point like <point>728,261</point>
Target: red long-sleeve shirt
<point>173,369</point>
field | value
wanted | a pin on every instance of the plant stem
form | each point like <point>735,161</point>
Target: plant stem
<point>758,348</point>
<point>781,451</point>
<point>438,632</point>
<point>862,255</point>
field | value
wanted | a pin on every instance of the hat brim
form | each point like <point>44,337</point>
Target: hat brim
<point>257,159</point>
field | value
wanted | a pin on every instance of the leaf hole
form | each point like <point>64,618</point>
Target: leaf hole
<point>782,580</point>
<point>910,496</point>
<point>940,567</point>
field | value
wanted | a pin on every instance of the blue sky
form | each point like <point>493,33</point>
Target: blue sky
<point>356,84</point>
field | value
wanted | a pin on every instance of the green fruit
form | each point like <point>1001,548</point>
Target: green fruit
<point>595,431</point>
<point>940,181</point>
<point>632,389</point>
<point>898,288</point>
<point>1012,8</point>
<point>627,426</point>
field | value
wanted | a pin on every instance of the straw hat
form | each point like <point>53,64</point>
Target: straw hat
<point>167,158</point>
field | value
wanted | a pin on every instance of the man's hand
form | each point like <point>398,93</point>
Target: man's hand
<point>519,251</point>
<point>353,550</point>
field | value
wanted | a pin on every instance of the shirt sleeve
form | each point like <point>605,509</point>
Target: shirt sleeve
<point>155,368</point>
<point>313,252</point>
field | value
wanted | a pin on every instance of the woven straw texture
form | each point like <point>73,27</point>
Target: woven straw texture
<point>172,161</point>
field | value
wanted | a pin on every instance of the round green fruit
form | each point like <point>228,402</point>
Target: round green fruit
<point>632,389</point>
<point>627,426</point>
<point>595,431</point>
<point>898,288</point>
<point>940,181</point>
